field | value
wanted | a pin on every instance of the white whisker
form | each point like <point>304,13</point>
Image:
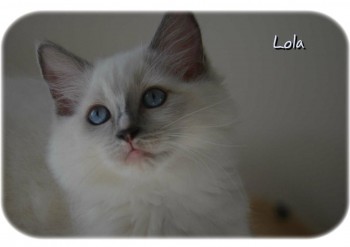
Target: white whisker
<point>191,136</point>
<point>195,112</point>
<point>236,182</point>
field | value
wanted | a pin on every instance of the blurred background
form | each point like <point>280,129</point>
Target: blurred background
<point>291,103</point>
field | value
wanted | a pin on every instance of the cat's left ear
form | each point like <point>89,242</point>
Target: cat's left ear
<point>64,73</point>
<point>178,38</point>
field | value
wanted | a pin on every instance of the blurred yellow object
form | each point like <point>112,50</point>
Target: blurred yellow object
<point>274,220</point>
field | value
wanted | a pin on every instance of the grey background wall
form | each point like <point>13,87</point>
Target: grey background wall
<point>292,104</point>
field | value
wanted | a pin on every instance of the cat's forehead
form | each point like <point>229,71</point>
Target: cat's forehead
<point>120,71</point>
<point>129,74</point>
<point>116,79</point>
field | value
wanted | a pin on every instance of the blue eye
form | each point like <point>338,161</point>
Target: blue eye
<point>98,114</point>
<point>154,97</point>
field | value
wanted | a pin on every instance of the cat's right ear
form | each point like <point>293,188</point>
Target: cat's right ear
<point>64,72</point>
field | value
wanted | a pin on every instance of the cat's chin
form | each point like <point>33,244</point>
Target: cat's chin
<point>135,156</point>
<point>142,158</point>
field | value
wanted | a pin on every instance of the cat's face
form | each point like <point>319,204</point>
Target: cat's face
<point>139,116</point>
<point>138,108</point>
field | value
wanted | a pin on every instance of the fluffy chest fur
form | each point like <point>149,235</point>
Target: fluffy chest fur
<point>186,196</point>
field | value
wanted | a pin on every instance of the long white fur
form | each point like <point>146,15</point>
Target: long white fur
<point>32,200</point>
<point>194,191</point>
<point>192,188</point>
<point>197,191</point>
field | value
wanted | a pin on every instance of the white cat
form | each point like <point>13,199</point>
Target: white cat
<point>141,142</point>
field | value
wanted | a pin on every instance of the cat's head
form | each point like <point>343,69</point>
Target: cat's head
<point>138,108</point>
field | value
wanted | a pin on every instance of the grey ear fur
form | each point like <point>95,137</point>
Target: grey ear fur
<point>178,38</point>
<point>63,71</point>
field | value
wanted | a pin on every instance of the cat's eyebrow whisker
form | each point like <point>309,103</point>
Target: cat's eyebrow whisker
<point>195,112</point>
